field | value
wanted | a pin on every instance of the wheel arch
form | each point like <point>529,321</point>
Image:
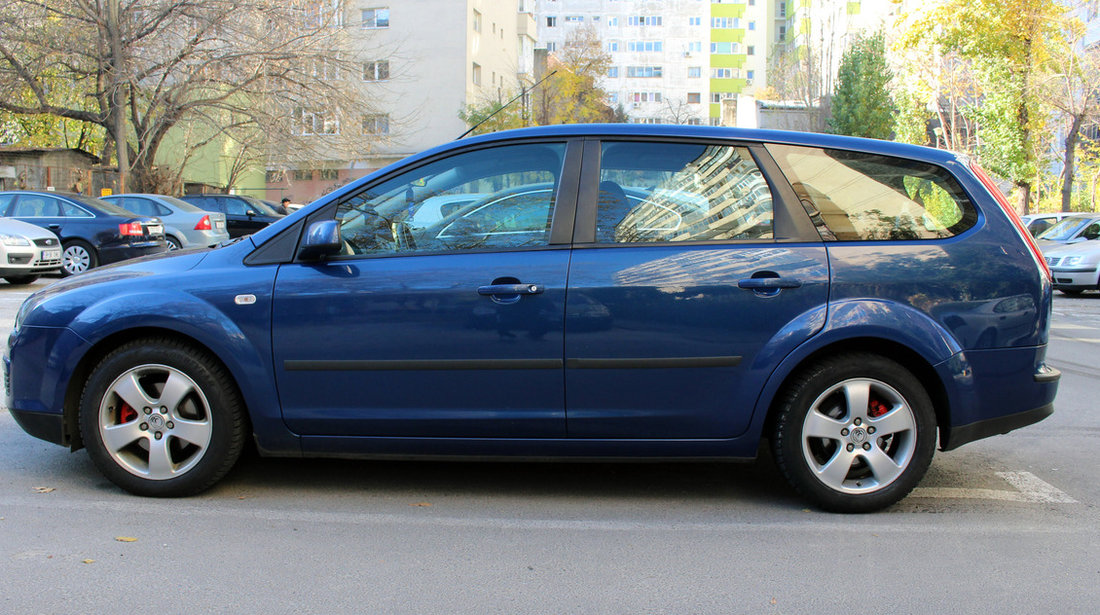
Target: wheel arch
<point>907,357</point>
<point>104,346</point>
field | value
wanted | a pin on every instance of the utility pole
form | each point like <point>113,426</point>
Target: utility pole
<point>118,93</point>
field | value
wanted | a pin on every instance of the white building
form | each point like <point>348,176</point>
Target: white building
<point>422,62</point>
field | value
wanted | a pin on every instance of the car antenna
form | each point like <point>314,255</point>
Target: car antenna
<point>522,92</point>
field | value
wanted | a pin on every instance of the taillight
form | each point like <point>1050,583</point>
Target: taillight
<point>1010,211</point>
<point>130,228</point>
<point>204,224</point>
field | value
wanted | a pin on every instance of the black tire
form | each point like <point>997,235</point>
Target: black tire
<point>20,280</point>
<point>806,448</point>
<point>201,434</point>
<point>1071,293</point>
<point>173,243</point>
<point>77,257</point>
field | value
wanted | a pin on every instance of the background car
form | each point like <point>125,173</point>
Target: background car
<point>1070,229</point>
<point>185,226</point>
<point>1075,266</point>
<point>244,214</point>
<point>92,232</point>
<point>1037,223</point>
<point>27,251</point>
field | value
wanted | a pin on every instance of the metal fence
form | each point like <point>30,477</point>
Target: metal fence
<point>28,176</point>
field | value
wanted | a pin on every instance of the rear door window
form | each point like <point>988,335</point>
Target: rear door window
<point>675,192</point>
<point>35,206</point>
<point>855,196</point>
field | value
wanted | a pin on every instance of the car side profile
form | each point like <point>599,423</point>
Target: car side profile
<point>606,291</point>
<point>92,232</point>
<point>185,226</point>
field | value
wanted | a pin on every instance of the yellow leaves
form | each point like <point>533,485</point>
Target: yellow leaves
<point>43,489</point>
<point>125,539</point>
<point>421,504</point>
<point>88,561</point>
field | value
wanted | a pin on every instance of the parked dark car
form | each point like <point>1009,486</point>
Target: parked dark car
<point>609,291</point>
<point>92,232</point>
<point>244,214</point>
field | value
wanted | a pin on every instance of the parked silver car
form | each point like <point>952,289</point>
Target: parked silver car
<point>1075,266</point>
<point>1071,229</point>
<point>27,251</point>
<point>185,226</point>
<point>1037,223</point>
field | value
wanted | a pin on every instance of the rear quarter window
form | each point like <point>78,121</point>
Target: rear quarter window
<point>855,196</point>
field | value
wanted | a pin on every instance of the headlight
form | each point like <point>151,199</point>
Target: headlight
<point>1072,261</point>
<point>14,240</point>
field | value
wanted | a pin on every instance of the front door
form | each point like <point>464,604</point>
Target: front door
<point>686,287</point>
<point>444,316</point>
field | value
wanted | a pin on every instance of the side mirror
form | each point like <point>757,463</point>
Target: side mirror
<point>322,240</point>
<point>250,213</point>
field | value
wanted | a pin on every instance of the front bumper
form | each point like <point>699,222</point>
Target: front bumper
<point>1075,279</point>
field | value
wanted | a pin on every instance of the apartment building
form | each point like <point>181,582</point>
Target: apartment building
<point>421,62</point>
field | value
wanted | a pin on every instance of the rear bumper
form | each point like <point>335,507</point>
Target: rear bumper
<point>49,427</point>
<point>964,434</point>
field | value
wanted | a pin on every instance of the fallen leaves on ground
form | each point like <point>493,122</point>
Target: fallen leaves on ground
<point>43,489</point>
<point>421,504</point>
<point>125,539</point>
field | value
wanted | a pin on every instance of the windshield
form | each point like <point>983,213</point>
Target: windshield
<point>260,206</point>
<point>1065,229</point>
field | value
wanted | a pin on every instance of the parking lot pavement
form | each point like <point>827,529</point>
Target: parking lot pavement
<point>1008,524</point>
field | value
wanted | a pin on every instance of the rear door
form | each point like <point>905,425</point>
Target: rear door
<point>692,276</point>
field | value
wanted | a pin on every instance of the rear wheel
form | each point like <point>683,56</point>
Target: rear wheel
<point>161,418</point>
<point>77,257</point>
<point>173,243</point>
<point>854,433</point>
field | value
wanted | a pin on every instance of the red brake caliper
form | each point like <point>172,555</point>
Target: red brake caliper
<point>876,409</point>
<point>126,413</point>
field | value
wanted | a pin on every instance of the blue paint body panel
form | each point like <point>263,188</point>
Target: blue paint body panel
<point>639,351</point>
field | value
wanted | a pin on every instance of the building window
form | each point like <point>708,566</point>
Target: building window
<point>750,74</point>
<point>612,22</point>
<point>574,18</point>
<point>322,13</point>
<point>376,18</point>
<point>613,72</point>
<point>644,72</point>
<point>329,174</point>
<point>721,48</point>
<point>477,21</point>
<point>551,22</point>
<point>752,25</point>
<point>327,69</point>
<point>782,33</point>
<point>725,22</point>
<point>782,9</point>
<point>476,74</point>
<point>613,98</point>
<point>721,73</point>
<point>695,71</point>
<point>657,46</point>
<point>379,70</point>
<point>317,122</point>
<point>694,121</point>
<point>695,21</point>
<point>376,124</point>
<point>612,45</point>
<point>750,50</point>
<point>715,97</point>
<point>641,97</point>
<point>694,98</point>
<point>645,20</point>
<point>695,47</point>
<point>551,46</point>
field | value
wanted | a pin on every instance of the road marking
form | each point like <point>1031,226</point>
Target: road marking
<point>1030,488</point>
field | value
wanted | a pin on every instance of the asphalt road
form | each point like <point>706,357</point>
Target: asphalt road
<point>1004,525</point>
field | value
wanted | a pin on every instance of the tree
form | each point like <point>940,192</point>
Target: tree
<point>1007,41</point>
<point>804,72</point>
<point>1072,87</point>
<point>242,70</point>
<point>861,104</point>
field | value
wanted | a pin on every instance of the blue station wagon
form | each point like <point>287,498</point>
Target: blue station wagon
<point>600,292</point>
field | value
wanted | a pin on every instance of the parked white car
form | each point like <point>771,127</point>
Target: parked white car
<point>1075,266</point>
<point>27,251</point>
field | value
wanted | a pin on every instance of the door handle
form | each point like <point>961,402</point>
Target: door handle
<point>768,283</point>
<point>510,289</point>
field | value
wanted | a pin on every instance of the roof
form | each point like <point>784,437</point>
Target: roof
<point>13,149</point>
<point>889,148</point>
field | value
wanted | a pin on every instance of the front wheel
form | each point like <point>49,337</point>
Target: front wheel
<point>854,433</point>
<point>19,280</point>
<point>161,418</point>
